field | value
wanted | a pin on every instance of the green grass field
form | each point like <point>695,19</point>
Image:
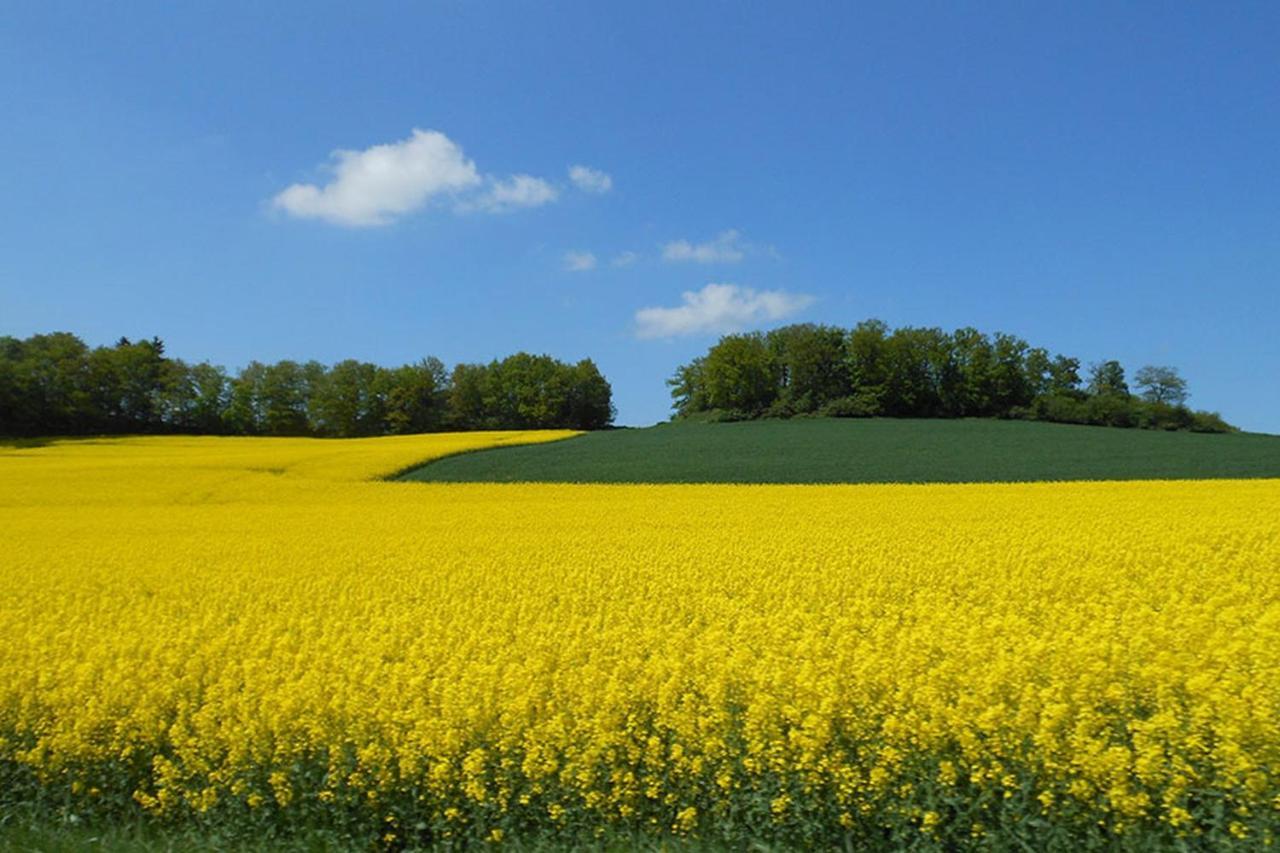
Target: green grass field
<point>867,451</point>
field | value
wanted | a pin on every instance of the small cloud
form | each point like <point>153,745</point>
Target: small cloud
<point>719,309</point>
<point>625,259</point>
<point>514,193</point>
<point>383,182</point>
<point>590,180</point>
<point>725,248</point>
<point>579,261</point>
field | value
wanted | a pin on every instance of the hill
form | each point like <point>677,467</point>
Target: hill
<point>828,450</point>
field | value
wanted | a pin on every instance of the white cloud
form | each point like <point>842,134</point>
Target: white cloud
<point>625,259</point>
<point>579,261</point>
<point>725,248</point>
<point>718,309</point>
<point>515,192</point>
<point>590,180</point>
<point>380,183</point>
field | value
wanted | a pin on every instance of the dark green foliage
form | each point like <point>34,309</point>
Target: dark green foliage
<point>243,415</point>
<point>524,391</point>
<point>48,815</point>
<point>879,450</point>
<point>866,353</point>
<point>58,834</point>
<point>195,397</point>
<point>1107,379</point>
<point>56,385</point>
<point>48,385</point>
<point>864,404</point>
<point>812,363</point>
<point>1060,407</point>
<point>589,402</point>
<point>741,373</point>
<point>1012,820</point>
<point>914,372</point>
<point>124,382</point>
<point>688,389</point>
<point>350,399</point>
<point>1209,422</point>
<point>287,389</point>
<point>416,396</point>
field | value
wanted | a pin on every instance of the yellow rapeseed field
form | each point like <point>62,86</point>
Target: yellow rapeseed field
<point>259,632</point>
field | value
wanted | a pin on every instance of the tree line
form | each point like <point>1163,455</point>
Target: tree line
<point>55,384</point>
<point>872,370</point>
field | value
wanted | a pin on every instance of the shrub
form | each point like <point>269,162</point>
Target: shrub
<point>1209,422</point>
<point>1115,410</point>
<point>863,404</point>
<point>1060,408</point>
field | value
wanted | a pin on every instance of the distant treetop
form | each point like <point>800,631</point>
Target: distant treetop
<point>56,385</point>
<point>872,370</point>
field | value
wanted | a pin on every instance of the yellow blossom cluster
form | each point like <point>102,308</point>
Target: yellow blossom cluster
<point>236,627</point>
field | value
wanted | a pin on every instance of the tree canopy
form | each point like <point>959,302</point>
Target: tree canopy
<point>1161,385</point>
<point>55,384</point>
<point>873,370</point>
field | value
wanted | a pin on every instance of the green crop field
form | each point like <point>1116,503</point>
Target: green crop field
<point>867,451</point>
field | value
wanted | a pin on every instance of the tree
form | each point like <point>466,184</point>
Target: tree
<point>866,356</point>
<point>244,413</point>
<point>917,372</point>
<point>348,400</point>
<point>417,396</point>
<point>976,360</point>
<point>590,402</point>
<point>689,388</point>
<point>1107,379</point>
<point>1064,376</point>
<point>192,397</point>
<point>1161,385</point>
<point>741,374</point>
<point>944,373</point>
<point>11,401</point>
<point>525,391</point>
<point>1039,371</point>
<point>51,382</point>
<point>209,392</point>
<point>1011,386</point>
<point>910,386</point>
<point>125,384</point>
<point>285,391</point>
<point>811,364</point>
<point>468,395</point>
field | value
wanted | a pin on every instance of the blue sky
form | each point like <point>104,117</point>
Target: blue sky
<point>1101,179</point>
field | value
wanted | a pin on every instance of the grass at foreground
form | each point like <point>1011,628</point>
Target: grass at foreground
<point>827,450</point>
